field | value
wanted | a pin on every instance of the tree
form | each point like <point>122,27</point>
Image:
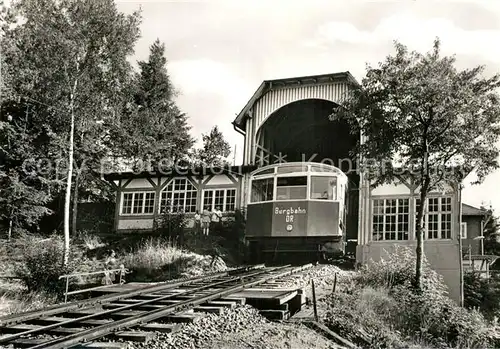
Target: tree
<point>491,234</point>
<point>154,128</point>
<point>422,118</point>
<point>23,194</point>
<point>68,59</point>
<point>215,149</point>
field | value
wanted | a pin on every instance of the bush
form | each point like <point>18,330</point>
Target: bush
<point>482,294</point>
<point>171,226</point>
<point>42,264</point>
<point>386,305</point>
<point>160,260</point>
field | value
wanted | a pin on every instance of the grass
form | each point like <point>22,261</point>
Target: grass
<point>378,308</point>
<point>12,303</point>
<point>160,260</point>
<point>152,254</point>
<point>152,260</point>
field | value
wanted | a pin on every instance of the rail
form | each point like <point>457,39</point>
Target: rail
<point>235,284</point>
<point>212,287</point>
<point>121,271</point>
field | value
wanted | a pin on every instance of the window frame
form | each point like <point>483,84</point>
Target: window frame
<point>224,198</point>
<point>308,174</point>
<point>384,215</point>
<point>143,202</point>
<point>174,191</point>
<point>463,229</point>
<point>339,187</point>
<point>439,213</point>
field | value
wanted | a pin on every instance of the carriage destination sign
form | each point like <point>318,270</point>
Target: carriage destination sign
<point>292,217</point>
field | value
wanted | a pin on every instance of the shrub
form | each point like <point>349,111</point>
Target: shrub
<point>152,255</point>
<point>482,294</point>
<point>172,225</point>
<point>429,316</point>
<point>42,264</point>
<point>160,260</point>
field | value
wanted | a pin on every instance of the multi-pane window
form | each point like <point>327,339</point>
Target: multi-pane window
<point>437,217</point>
<point>224,199</point>
<point>138,203</point>
<point>178,196</point>
<point>391,219</point>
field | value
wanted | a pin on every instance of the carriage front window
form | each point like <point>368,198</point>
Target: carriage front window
<point>262,189</point>
<point>323,188</point>
<point>291,188</point>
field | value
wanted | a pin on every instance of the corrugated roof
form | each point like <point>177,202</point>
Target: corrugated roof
<point>268,85</point>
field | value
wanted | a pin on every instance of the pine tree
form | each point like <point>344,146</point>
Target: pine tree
<point>155,129</point>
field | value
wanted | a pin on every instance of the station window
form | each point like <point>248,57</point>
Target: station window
<point>225,199</point>
<point>391,219</point>
<point>291,188</point>
<point>179,195</point>
<point>262,189</point>
<point>437,217</point>
<point>323,188</point>
<point>138,203</point>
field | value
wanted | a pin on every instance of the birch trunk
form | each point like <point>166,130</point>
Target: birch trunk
<point>75,204</point>
<point>67,201</point>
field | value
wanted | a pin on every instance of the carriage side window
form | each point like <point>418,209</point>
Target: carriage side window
<point>291,188</point>
<point>262,190</point>
<point>323,188</point>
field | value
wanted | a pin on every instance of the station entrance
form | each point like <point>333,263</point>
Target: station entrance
<point>302,131</point>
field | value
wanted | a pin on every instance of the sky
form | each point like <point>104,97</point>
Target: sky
<point>219,51</point>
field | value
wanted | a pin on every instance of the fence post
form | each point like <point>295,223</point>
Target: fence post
<point>314,300</point>
<point>66,292</point>
<point>334,283</point>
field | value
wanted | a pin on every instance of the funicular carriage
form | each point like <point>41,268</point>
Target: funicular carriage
<point>296,210</point>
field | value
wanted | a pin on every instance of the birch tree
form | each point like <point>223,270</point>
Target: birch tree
<point>70,60</point>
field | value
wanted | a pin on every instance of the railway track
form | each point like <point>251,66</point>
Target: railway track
<point>78,324</point>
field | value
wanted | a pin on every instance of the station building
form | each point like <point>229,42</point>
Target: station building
<point>287,120</point>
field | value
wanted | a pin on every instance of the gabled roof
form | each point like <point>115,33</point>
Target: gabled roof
<point>468,210</point>
<point>267,85</point>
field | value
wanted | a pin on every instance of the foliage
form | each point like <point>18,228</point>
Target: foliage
<point>42,264</point>
<point>14,303</point>
<point>384,311</point>
<point>153,127</point>
<point>232,233</point>
<point>482,294</point>
<point>396,270</point>
<point>424,120</point>
<point>492,235</point>
<point>172,225</point>
<point>215,149</point>
<point>160,260</point>
<point>66,63</point>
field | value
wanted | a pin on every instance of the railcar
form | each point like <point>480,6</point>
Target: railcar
<point>296,210</point>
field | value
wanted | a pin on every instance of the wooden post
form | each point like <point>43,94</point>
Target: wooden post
<point>314,300</point>
<point>66,293</point>
<point>334,283</point>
